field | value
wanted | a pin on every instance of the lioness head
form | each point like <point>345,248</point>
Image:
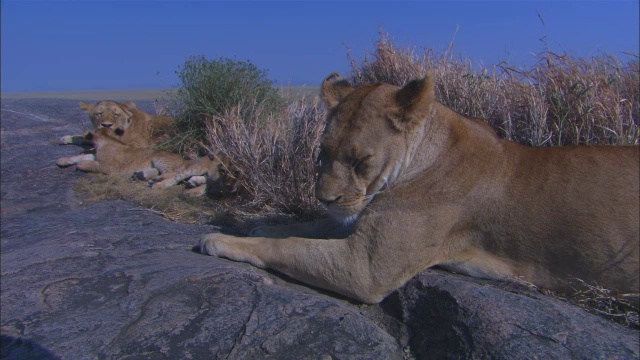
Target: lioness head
<point>110,114</point>
<point>367,140</point>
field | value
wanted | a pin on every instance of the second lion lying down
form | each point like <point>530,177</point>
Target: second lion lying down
<point>165,169</point>
<point>423,186</point>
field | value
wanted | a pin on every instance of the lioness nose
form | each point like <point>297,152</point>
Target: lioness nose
<point>107,125</point>
<point>328,201</point>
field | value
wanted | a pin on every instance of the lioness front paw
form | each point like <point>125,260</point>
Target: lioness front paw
<point>232,248</point>
<point>66,140</point>
<point>208,245</point>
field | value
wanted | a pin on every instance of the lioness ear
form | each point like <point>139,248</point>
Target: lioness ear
<point>130,105</point>
<point>334,89</point>
<point>87,107</point>
<point>414,102</point>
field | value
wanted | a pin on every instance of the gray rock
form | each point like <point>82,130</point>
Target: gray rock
<point>111,280</point>
<point>454,316</point>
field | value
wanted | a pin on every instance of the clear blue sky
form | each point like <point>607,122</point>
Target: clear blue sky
<point>89,45</point>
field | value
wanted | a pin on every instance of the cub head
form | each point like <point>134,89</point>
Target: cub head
<point>110,114</point>
<point>225,177</point>
<point>367,140</point>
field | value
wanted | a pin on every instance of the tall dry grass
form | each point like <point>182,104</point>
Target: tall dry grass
<point>560,100</point>
<point>274,153</point>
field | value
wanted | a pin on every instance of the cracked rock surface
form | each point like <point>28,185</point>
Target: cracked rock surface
<point>112,281</point>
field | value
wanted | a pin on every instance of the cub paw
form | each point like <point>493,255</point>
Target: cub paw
<point>196,192</point>
<point>196,181</point>
<point>138,175</point>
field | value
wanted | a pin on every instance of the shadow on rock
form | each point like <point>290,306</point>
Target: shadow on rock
<point>20,349</point>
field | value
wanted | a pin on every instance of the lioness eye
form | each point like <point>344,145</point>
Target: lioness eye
<point>320,156</point>
<point>360,165</point>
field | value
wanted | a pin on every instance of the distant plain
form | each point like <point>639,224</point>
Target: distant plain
<point>132,94</point>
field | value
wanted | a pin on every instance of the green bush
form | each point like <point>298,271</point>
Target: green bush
<point>212,87</point>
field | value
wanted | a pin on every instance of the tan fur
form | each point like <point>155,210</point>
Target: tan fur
<point>114,156</point>
<point>206,175</point>
<point>164,169</point>
<point>140,129</point>
<point>449,192</point>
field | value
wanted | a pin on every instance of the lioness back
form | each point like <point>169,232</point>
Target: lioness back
<point>579,206</point>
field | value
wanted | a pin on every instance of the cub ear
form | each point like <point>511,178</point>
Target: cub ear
<point>87,107</point>
<point>88,135</point>
<point>414,102</point>
<point>334,89</point>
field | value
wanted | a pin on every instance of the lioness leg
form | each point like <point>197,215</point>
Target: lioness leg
<point>167,180</point>
<point>91,166</point>
<point>146,174</point>
<point>353,267</point>
<point>172,178</point>
<point>72,160</point>
<point>74,140</point>
<point>197,191</point>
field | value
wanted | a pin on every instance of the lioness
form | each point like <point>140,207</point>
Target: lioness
<point>140,129</point>
<point>114,156</point>
<point>427,186</point>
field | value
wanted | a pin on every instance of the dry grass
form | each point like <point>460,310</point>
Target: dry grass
<point>620,308</point>
<point>170,203</point>
<point>559,101</point>
<point>274,153</point>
